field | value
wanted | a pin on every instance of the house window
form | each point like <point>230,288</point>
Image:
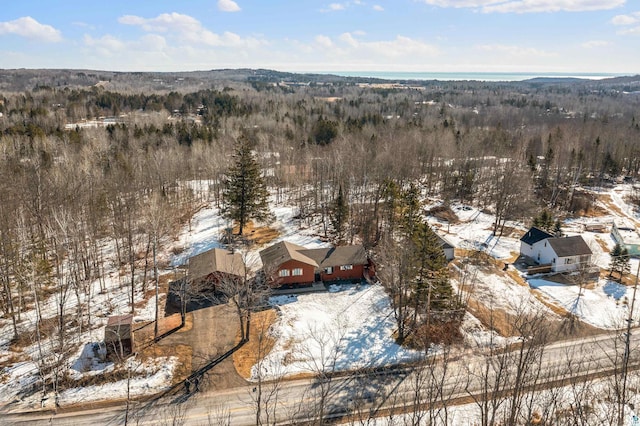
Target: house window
<point>284,272</point>
<point>568,261</point>
<point>346,267</point>
<point>296,271</point>
<point>584,259</point>
<point>328,270</point>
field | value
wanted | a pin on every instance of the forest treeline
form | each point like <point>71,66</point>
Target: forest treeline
<point>509,148</point>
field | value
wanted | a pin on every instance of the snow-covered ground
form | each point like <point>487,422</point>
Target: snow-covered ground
<point>605,306</point>
<point>355,323</point>
<point>347,328</point>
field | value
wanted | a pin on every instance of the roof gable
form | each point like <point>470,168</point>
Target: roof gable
<point>443,242</point>
<point>534,235</point>
<point>338,256</point>
<point>569,246</point>
<point>215,260</point>
<point>279,253</point>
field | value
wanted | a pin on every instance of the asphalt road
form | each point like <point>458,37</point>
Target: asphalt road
<point>366,392</point>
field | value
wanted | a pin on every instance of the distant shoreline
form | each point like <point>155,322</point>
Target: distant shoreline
<point>476,76</point>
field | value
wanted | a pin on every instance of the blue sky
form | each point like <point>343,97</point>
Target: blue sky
<point>569,36</point>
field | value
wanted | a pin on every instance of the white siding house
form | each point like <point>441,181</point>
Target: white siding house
<point>563,254</point>
<point>528,240</point>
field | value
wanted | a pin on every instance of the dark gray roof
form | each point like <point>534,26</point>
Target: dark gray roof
<point>569,246</point>
<point>279,253</point>
<point>215,260</point>
<point>534,235</point>
<point>337,256</point>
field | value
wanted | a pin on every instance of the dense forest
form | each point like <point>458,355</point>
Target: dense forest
<point>93,156</point>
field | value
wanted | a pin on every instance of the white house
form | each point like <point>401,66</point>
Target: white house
<point>528,240</point>
<point>447,247</point>
<point>562,254</point>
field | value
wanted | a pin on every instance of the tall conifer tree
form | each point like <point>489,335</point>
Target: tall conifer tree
<point>245,194</point>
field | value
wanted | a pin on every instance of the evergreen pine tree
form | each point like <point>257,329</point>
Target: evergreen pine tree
<point>545,221</point>
<point>339,213</point>
<point>557,228</point>
<point>620,261</point>
<point>245,194</point>
<point>615,255</point>
<point>411,210</point>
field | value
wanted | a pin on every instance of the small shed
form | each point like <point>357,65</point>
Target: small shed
<point>447,247</point>
<point>118,336</point>
<point>597,227</point>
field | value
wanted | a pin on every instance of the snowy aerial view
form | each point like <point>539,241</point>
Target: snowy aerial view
<point>238,212</point>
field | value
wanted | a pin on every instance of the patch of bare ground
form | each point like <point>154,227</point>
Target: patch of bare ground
<point>602,244</point>
<point>511,232</point>
<point>444,213</point>
<point>11,359</point>
<point>259,345</point>
<point>502,321</point>
<point>611,206</point>
<point>184,354</point>
<point>144,332</point>
<point>257,235</point>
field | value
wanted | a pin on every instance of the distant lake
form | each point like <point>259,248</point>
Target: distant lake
<point>479,76</point>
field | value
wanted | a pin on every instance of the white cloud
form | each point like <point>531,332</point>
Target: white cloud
<point>378,8</point>
<point>163,23</point>
<point>515,51</point>
<point>324,41</point>
<point>461,3</point>
<point>532,6</point>
<point>336,6</point>
<point>529,6</point>
<point>30,28</point>
<point>595,43</point>
<point>228,6</point>
<point>189,29</point>
<point>349,46</point>
<point>106,46</point>
<point>348,39</point>
<point>631,20</point>
<point>402,46</point>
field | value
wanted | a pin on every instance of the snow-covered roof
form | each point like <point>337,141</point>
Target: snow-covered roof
<point>444,243</point>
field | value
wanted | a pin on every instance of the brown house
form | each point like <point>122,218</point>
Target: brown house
<point>290,264</point>
<point>208,269</point>
<point>284,264</point>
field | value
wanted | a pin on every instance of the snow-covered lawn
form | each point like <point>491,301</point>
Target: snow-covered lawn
<point>147,378</point>
<point>349,327</point>
<point>605,306</point>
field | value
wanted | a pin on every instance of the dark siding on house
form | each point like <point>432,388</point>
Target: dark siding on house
<point>353,274</point>
<point>307,276</point>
